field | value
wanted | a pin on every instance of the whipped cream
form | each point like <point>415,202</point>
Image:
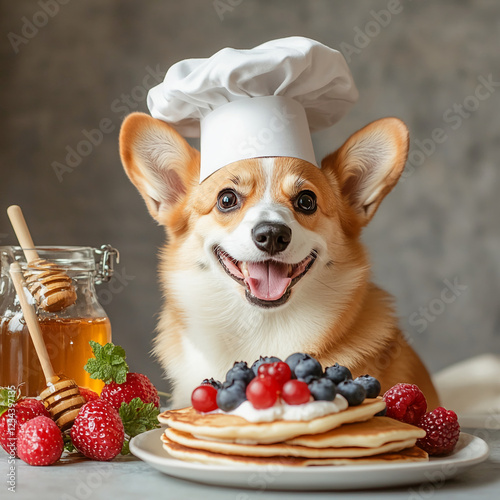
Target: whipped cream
<point>282,411</point>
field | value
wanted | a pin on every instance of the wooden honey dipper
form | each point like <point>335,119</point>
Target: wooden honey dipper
<point>51,287</point>
<point>62,396</point>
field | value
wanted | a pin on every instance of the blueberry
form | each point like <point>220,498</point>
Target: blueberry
<point>323,389</point>
<point>381,413</point>
<point>338,373</point>
<point>263,360</point>
<point>212,382</point>
<point>233,383</point>
<point>231,395</point>
<point>354,393</point>
<point>307,367</point>
<point>308,379</point>
<point>240,371</point>
<point>293,360</point>
<point>371,385</point>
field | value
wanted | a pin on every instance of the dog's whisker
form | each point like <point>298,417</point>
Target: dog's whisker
<point>324,284</point>
<point>328,261</point>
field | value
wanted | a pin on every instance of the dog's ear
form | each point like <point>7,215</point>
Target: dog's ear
<point>369,164</point>
<point>158,161</point>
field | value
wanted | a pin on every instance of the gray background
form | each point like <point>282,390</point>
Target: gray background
<point>440,223</point>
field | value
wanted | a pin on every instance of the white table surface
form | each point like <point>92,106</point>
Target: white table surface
<point>129,477</point>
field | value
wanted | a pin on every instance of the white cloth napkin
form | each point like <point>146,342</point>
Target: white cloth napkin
<point>471,388</point>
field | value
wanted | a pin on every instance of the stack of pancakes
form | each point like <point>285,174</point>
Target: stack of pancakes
<point>353,436</point>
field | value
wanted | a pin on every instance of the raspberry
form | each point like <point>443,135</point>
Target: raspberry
<point>136,385</point>
<point>405,402</point>
<point>443,431</point>
<point>14,416</point>
<point>98,431</point>
<point>40,441</point>
<point>88,394</point>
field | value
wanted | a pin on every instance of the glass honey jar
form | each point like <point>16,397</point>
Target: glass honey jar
<point>66,332</point>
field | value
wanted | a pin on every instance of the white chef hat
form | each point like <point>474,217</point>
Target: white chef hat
<point>255,103</point>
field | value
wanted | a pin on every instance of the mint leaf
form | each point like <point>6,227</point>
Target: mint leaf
<point>96,348</point>
<point>138,417</point>
<point>125,447</point>
<point>68,443</point>
<point>120,374</point>
<point>8,396</point>
<point>109,363</point>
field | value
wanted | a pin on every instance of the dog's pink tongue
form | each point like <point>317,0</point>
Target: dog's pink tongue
<point>268,280</point>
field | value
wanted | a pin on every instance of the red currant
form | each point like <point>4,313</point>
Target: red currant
<point>295,392</point>
<point>262,392</point>
<point>263,369</point>
<point>204,398</point>
<point>279,371</point>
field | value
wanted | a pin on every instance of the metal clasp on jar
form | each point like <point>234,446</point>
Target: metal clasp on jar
<point>105,263</point>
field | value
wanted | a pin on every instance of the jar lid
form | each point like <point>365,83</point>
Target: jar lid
<point>71,258</point>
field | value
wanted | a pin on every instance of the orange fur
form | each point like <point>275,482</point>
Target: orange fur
<point>334,313</point>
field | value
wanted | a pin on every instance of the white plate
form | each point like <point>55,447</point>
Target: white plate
<point>470,450</point>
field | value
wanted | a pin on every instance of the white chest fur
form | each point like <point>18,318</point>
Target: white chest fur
<point>222,327</point>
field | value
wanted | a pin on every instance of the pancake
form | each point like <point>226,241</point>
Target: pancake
<point>372,433</point>
<point>281,449</point>
<point>413,454</point>
<point>234,428</point>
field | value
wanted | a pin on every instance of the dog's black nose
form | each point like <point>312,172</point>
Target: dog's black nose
<point>271,237</point>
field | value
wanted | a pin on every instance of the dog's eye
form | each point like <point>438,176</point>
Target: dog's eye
<point>227,200</point>
<point>306,202</point>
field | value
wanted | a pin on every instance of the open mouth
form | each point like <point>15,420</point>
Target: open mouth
<point>268,283</point>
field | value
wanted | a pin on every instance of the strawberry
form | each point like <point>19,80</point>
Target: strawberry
<point>98,431</point>
<point>131,394</point>
<point>121,386</point>
<point>88,394</point>
<point>13,413</point>
<point>39,441</point>
<point>136,385</point>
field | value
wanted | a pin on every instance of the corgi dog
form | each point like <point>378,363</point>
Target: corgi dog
<point>264,256</point>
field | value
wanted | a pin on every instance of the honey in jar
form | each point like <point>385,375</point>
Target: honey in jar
<point>66,333</point>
